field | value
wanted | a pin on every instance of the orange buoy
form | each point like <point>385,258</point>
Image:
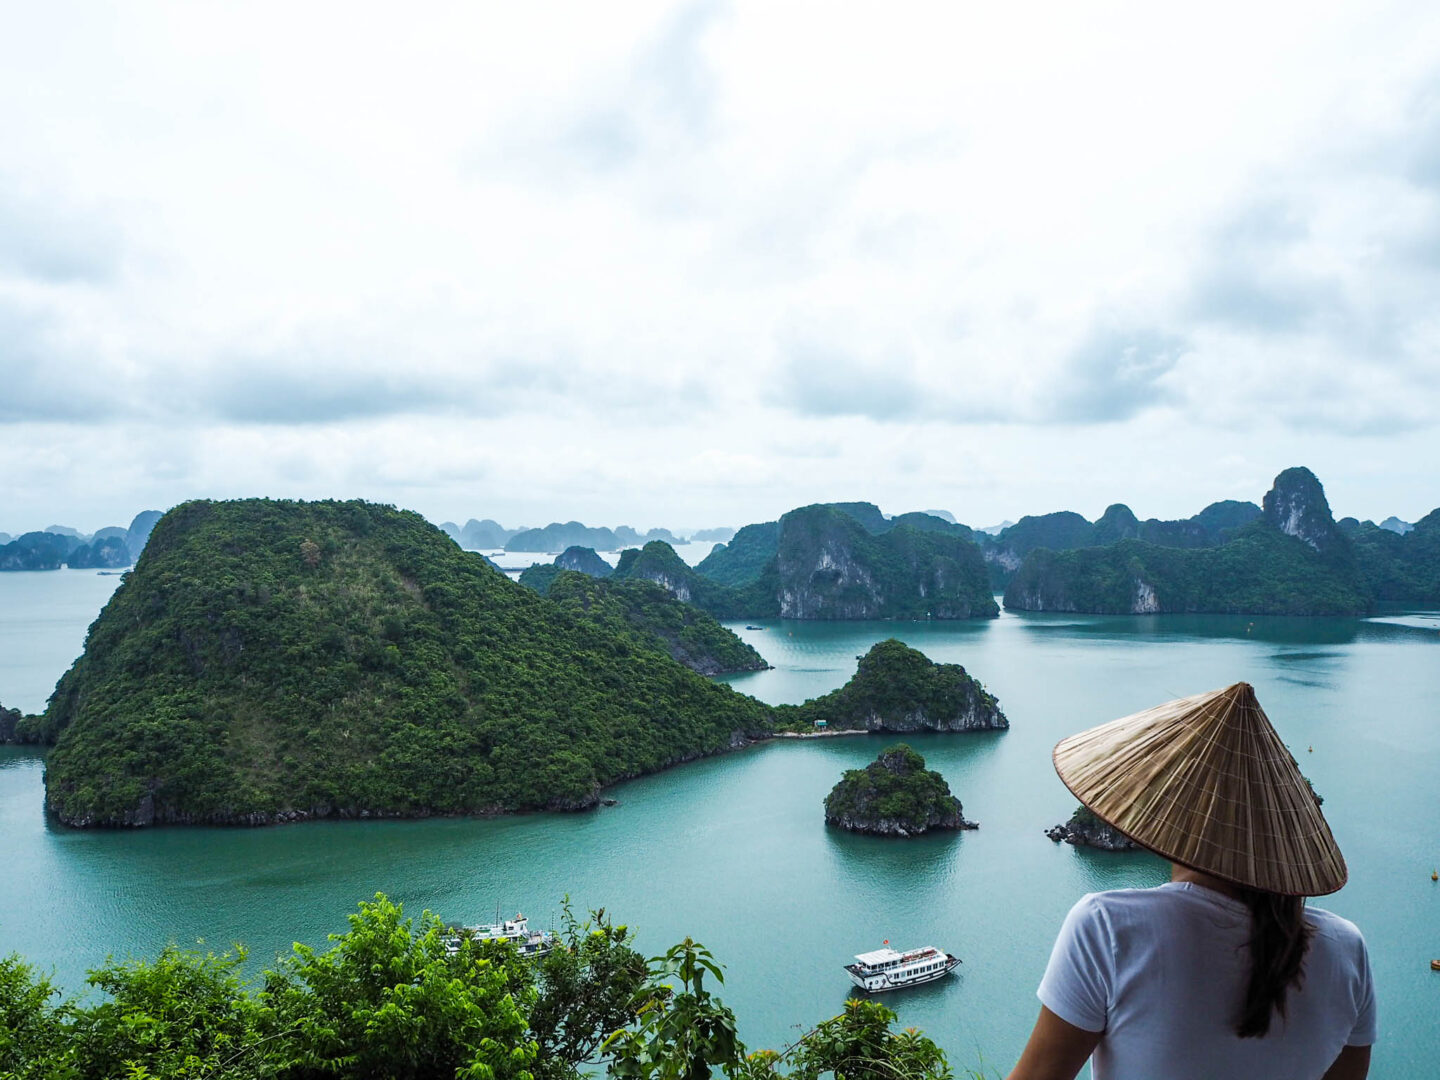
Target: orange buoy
<point>1435,875</point>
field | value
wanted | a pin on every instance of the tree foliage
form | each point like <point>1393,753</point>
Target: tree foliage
<point>1261,571</point>
<point>389,1000</point>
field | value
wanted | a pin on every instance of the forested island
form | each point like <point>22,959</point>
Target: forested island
<point>1290,559</point>
<point>274,660</point>
<point>830,561</point>
<point>895,795</point>
<point>848,560</point>
<point>899,689</point>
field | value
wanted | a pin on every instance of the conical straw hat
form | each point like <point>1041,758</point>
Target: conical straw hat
<point>1206,782</point>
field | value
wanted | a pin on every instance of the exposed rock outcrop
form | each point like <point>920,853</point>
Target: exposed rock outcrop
<point>829,567</point>
<point>1296,505</point>
<point>584,560</point>
<point>895,795</point>
<point>1084,829</point>
<point>657,562</point>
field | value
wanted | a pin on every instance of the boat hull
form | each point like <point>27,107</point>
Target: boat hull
<point>881,983</point>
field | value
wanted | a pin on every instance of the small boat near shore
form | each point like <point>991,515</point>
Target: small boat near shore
<point>890,969</point>
<point>516,931</point>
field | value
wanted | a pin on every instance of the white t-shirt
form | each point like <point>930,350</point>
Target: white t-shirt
<point>1162,972</point>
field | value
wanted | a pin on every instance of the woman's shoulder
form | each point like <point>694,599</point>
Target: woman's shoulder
<point>1334,927</point>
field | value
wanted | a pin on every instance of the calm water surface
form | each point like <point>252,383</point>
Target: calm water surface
<point>733,851</point>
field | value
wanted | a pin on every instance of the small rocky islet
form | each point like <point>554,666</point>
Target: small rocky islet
<point>899,689</point>
<point>1084,829</point>
<point>895,795</point>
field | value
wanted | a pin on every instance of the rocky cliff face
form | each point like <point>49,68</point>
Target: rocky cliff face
<point>1296,505</point>
<point>895,796</point>
<point>821,576</point>
<point>827,566</point>
<point>657,562</point>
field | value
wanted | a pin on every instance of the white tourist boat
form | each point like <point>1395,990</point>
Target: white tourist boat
<point>517,931</point>
<point>890,969</point>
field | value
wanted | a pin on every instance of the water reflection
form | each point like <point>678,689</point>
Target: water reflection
<point>1273,629</point>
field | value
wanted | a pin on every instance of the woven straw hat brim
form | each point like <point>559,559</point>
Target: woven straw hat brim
<point>1205,781</point>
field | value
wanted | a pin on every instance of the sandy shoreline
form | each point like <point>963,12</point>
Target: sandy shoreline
<point>827,734</point>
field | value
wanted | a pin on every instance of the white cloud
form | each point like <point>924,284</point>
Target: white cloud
<point>320,250</point>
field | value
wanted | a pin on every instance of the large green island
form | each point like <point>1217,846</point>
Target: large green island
<point>271,661</point>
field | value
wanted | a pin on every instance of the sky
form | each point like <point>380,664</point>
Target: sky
<point>689,265</point>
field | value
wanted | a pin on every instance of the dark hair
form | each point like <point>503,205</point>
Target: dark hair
<point>1279,936</point>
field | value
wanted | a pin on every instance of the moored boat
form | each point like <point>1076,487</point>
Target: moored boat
<point>517,931</point>
<point>890,969</point>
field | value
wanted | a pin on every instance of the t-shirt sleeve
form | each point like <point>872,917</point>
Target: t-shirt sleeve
<point>1079,980</point>
<point>1366,1028</point>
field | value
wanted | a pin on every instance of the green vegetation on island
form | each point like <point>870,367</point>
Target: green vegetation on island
<point>12,725</point>
<point>1291,560</point>
<point>743,559</point>
<point>899,689</point>
<point>1399,567</point>
<point>1066,531</point>
<point>895,795</point>
<point>1084,829</point>
<point>657,563</point>
<point>690,635</point>
<point>540,576</point>
<point>389,999</point>
<point>829,567</point>
<point>268,660</point>
<point>844,561</point>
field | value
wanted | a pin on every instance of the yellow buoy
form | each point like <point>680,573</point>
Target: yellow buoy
<point>1435,875</point>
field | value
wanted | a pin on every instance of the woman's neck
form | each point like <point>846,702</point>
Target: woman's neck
<point>1205,881</point>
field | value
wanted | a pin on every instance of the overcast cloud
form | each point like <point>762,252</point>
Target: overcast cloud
<point>695,264</point>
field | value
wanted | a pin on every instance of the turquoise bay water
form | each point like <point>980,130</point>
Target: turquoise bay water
<point>733,851</point>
